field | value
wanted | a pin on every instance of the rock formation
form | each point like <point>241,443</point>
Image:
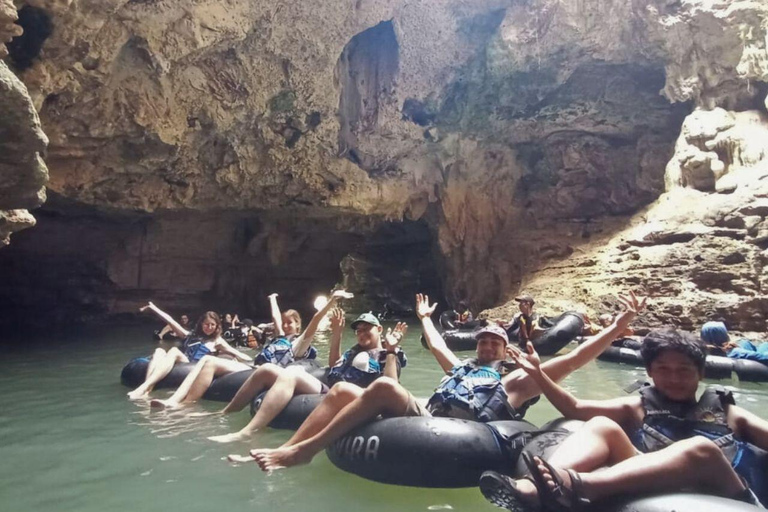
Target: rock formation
<point>700,251</point>
<point>8,27</point>
<point>516,135</point>
<point>22,142</point>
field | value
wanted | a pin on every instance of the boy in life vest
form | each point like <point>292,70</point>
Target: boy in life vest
<point>664,440</point>
<point>479,389</point>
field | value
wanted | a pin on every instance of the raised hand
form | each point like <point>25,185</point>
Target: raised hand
<point>529,360</point>
<point>423,309</point>
<point>148,306</point>
<point>341,294</point>
<point>337,319</point>
<point>632,306</point>
<point>394,336</point>
<point>272,296</point>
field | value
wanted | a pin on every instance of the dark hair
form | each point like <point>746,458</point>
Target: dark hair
<point>462,306</point>
<point>208,315</point>
<point>293,314</point>
<point>659,340</point>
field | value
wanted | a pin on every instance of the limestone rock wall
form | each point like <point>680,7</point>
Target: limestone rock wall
<point>22,142</point>
<point>8,27</point>
<point>700,251</point>
<point>23,173</point>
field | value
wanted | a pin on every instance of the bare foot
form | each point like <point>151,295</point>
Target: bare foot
<point>256,451</point>
<point>233,457</point>
<point>281,458</point>
<point>230,438</point>
<point>136,394</point>
<point>162,404</point>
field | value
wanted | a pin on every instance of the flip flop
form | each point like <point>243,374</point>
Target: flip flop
<point>562,498</point>
<point>502,491</point>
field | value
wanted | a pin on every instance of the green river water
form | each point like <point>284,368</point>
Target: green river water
<point>71,441</point>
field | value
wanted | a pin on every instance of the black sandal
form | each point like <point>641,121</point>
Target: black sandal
<point>561,498</point>
<point>502,491</point>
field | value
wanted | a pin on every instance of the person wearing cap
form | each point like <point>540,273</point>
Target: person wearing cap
<point>718,342</point>
<point>508,393</point>
<point>373,355</point>
<point>524,325</point>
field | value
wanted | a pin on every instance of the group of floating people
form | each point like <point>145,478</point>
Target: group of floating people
<point>661,440</point>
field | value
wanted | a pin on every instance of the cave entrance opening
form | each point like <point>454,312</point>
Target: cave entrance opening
<point>392,264</point>
<point>80,265</point>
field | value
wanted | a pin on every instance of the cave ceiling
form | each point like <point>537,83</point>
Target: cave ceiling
<point>515,129</point>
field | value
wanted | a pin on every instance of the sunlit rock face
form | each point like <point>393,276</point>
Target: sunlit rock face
<point>698,250</point>
<point>8,27</point>
<point>22,143</point>
<point>518,132</point>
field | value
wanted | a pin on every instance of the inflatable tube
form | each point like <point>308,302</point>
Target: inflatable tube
<point>458,340</point>
<point>222,388</point>
<point>294,413</point>
<point>750,371</point>
<point>446,320</point>
<point>565,329</point>
<point>716,367</point>
<point>552,435</point>
<point>426,451</point>
<point>621,355</point>
<point>633,343</point>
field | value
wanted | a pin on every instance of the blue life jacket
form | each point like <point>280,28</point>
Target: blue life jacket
<point>666,422</point>
<point>194,347</point>
<point>474,391</point>
<point>280,352</point>
<point>377,358</point>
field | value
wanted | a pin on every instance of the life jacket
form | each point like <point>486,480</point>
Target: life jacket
<point>280,352</point>
<point>251,340</point>
<point>377,358</point>
<point>195,348</point>
<point>666,422</point>
<point>521,328</point>
<point>474,391</point>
